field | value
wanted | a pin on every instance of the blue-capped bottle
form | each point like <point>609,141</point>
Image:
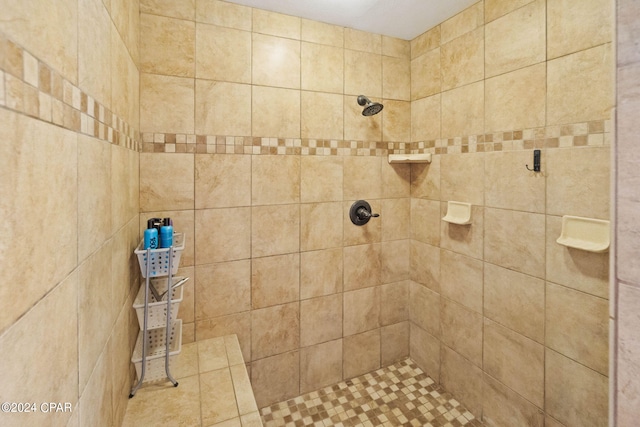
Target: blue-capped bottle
<point>166,236</point>
<point>151,238</point>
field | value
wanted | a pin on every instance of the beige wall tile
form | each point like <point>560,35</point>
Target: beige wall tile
<point>627,349</point>
<point>320,225</point>
<point>95,404</point>
<point>321,178</point>
<point>425,118</point>
<point>275,280</point>
<point>574,394</point>
<point>579,86</point>
<point>461,330</point>
<point>57,379</point>
<point>243,393</point>
<point>395,217</point>
<point>320,273</point>
<point>94,50</point>
<point>574,26</point>
<point>516,100</point>
<point>222,180</point>
<point>322,67</point>
<point>276,378</point>
<point>461,178</point>
<point>275,112</point>
<point>275,330</point>
<point>321,115</point>
<point>167,46</point>
<point>461,279</point>
<point>223,54</point>
<point>396,121</point>
<point>322,33</point>
<point>516,40</point>
<point>239,324</point>
<point>515,300</point>
<point>396,78</point>
<point>394,298</point>
<point>584,271</point>
<point>508,185</point>
<point>577,326</point>
<point>125,186</point>
<point>125,267</point>
<point>463,110</point>
<point>275,230</point>
<point>394,343</point>
<point>626,29</point>
<point>424,266</point>
<point>396,47</point>
<point>502,406</point>
<point>572,192</point>
<point>515,361</point>
<point>426,41</point>
<point>321,320</point>
<point>183,10</point>
<point>426,75</point>
<point>462,379</point>
<point>362,41</point>
<point>127,91</point>
<point>222,235</point>
<point>126,17</point>
<point>166,104</point>
<point>424,308</point>
<point>361,353</point>
<point>222,108</point>
<point>356,126</point>
<point>462,59</point>
<point>496,8</point>
<point>465,21</point>
<point>276,24</point>
<point>526,252</point>
<point>224,14</point>
<point>166,181</point>
<point>362,73</point>
<point>275,180</point>
<point>424,349</point>
<point>275,61</point>
<point>425,221</point>
<point>395,260</point>
<point>320,366</point>
<point>361,266</point>
<point>396,180</point>
<point>361,310</point>
<point>425,179</point>
<point>464,239</point>
<point>359,185</point>
<point>94,194</point>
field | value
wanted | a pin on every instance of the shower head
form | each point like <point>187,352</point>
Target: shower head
<point>370,108</point>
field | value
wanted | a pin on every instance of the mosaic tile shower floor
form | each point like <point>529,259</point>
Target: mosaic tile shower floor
<point>398,395</point>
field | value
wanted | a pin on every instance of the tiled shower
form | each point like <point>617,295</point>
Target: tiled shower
<point>243,126</point>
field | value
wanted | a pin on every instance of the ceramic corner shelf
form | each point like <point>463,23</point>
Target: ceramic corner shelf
<point>587,234</point>
<point>458,213</point>
<point>410,158</point>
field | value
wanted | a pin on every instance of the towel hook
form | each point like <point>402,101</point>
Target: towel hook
<point>536,162</point>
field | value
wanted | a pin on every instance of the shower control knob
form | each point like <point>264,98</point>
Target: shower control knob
<point>360,213</point>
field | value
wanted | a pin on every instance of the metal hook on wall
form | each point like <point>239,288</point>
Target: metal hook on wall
<point>536,162</point>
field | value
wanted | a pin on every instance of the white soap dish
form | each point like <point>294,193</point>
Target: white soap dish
<point>458,213</point>
<point>410,158</point>
<point>587,234</point>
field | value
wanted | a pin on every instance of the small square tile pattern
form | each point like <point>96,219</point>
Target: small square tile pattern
<point>398,395</point>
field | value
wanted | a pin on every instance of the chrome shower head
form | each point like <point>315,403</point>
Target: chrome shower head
<point>370,108</point>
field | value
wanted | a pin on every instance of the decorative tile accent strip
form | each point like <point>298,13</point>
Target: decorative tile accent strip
<point>29,86</point>
<point>399,395</point>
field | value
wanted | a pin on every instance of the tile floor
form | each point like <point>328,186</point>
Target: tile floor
<point>398,395</point>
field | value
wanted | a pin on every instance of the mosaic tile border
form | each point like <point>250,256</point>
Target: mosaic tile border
<point>593,133</point>
<point>398,395</point>
<point>29,86</point>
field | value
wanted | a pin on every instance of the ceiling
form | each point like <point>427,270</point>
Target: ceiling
<point>403,19</point>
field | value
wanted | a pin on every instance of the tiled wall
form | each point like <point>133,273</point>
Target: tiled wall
<point>509,321</point>
<point>69,160</point>
<point>625,320</point>
<point>254,143</point>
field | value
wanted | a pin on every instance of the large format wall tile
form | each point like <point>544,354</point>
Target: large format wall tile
<point>396,77</point>
<point>425,118</point>
<point>462,60</point>
<point>275,180</point>
<point>222,108</point>
<point>329,59</point>
<point>167,46</point>
<point>222,180</point>
<point>275,61</point>
<point>463,379</point>
<point>223,54</point>
<point>275,330</point>
<point>361,353</point>
<point>320,273</point>
<point>321,178</point>
<point>320,320</point>
<point>502,406</point>
<point>275,112</point>
<point>222,235</point>
<point>627,392</point>
<point>276,378</point>
<point>463,110</point>
<point>461,330</point>
<point>166,104</point>
<point>222,289</point>
<point>275,229</point>
<point>167,181</point>
<point>461,279</point>
<point>275,280</point>
<point>496,8</point>
<point>94,50</point>
<point>424,349</point>
<point>425,75</point>
<point>321,115</point>
<point>320,365</point>
<point>465,21</point>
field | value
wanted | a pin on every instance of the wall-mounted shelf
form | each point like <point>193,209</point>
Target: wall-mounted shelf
<point>458,213</point>
<point>410,158</point>
<point>587,234</point>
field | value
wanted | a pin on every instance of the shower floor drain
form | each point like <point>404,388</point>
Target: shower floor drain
<point>398,395</point>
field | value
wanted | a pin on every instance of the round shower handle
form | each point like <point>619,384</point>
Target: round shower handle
<point>360,212</point>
